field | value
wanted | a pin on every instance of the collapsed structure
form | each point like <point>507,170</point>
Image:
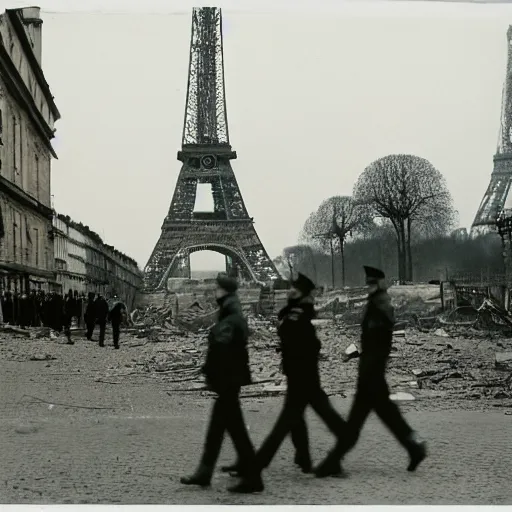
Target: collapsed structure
<point>206,154</point>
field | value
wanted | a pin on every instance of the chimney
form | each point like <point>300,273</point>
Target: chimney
<point>33,25</point>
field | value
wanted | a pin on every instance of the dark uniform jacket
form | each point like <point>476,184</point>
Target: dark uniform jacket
<point>377,334</point>
<point>90,311</point>
<point>117,313</point>
<point>101,309</point>
<point>300,346</point>
<point>227,357</point>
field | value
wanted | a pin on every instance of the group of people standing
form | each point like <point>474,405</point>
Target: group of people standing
<point>99,312</point>
<point>56,311</point>
<point>227,369</point>
<point>39,308</point>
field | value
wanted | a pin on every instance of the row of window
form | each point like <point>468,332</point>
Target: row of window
<point>23,168</point>
<point>22,243</point>
<point>97,265</point>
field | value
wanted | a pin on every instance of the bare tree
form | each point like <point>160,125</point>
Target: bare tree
<point>280,264</point>
<point>339,218</point>
<point>299,258</point>
<point>411,193</point>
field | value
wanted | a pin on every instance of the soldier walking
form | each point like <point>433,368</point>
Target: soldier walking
<point>69,311</point>
<point>226,370</point>
<point>372,390</point>
<point>116,316</point>
<point>101,315</point>
<point>300,348</point>
<point>90,316</point>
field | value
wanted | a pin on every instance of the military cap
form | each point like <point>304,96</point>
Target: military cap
<point>373,274</point>
<point>227,283</point>
<point>303,284</point>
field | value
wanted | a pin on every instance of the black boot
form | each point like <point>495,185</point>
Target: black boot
<point>417,453</point>
<point>248,485</point>
<point>329,467</point>
<point>233,468</point>
<point>304,462</point>
<point>202,477</point>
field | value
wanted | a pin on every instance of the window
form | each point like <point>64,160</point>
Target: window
<point>14,144</point>
<point>14,248</point>
<point>36,246</point>
<point>21,151</point>
<point>37,177</point>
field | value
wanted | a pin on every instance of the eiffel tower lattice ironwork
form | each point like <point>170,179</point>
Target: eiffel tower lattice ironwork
<point>495,197</point>
<point>206,155</point>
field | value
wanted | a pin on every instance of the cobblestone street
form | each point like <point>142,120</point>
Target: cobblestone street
<point>135,450</point>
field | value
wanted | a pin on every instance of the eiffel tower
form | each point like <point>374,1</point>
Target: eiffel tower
<point>206,155</point>
<point>495,197</point>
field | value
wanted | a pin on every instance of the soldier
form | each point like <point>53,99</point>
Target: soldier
<point>226,370</point>
<point>299,353</point>
<point>7,306</point>
<point>69,311</point>
<point>300,348</point>
<point>117,316</point>
<point>90,316</point>
<point>101,315</point>
<point>372,390</point>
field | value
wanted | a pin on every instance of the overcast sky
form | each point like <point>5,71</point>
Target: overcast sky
<point>313,97</point>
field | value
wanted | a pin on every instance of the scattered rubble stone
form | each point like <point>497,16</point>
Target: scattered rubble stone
<point>46,357</point>
<point>503,360</point>
<point>159,346</point>
<point>351,351</point>
<point>398,397</point>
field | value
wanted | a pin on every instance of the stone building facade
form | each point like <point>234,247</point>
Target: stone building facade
<point>83,262</point>
<point>27,117</point>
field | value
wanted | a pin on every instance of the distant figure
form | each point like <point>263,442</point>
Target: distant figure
<point>90,315</point>
<point>116,316</point>
<point>101,315</point>
<point>372,391</point>
<point>23,311</point>
<point>7,305</point>
<point>69,311</point>
<point>226,370</point>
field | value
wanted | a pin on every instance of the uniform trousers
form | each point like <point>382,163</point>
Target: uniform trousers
<point>90,328</point>
<point>103,328</point>
<point>301,392</point>
<point>226,416</point>
<point>115,332</point>
<point>372,394</point>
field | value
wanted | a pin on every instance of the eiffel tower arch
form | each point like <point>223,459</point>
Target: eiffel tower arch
<point>206,156</point>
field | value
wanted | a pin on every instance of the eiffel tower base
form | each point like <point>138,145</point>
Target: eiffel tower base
<point>246,258</point>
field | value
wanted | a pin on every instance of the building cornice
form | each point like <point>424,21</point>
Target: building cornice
<point>25,269</point>
<point>21,94</point>
<point>14,17</point>
<point>19,195</point>
<point>102,252</point>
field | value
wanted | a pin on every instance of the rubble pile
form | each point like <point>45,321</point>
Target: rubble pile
<point>437,355</point>
<point>162,323</point>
